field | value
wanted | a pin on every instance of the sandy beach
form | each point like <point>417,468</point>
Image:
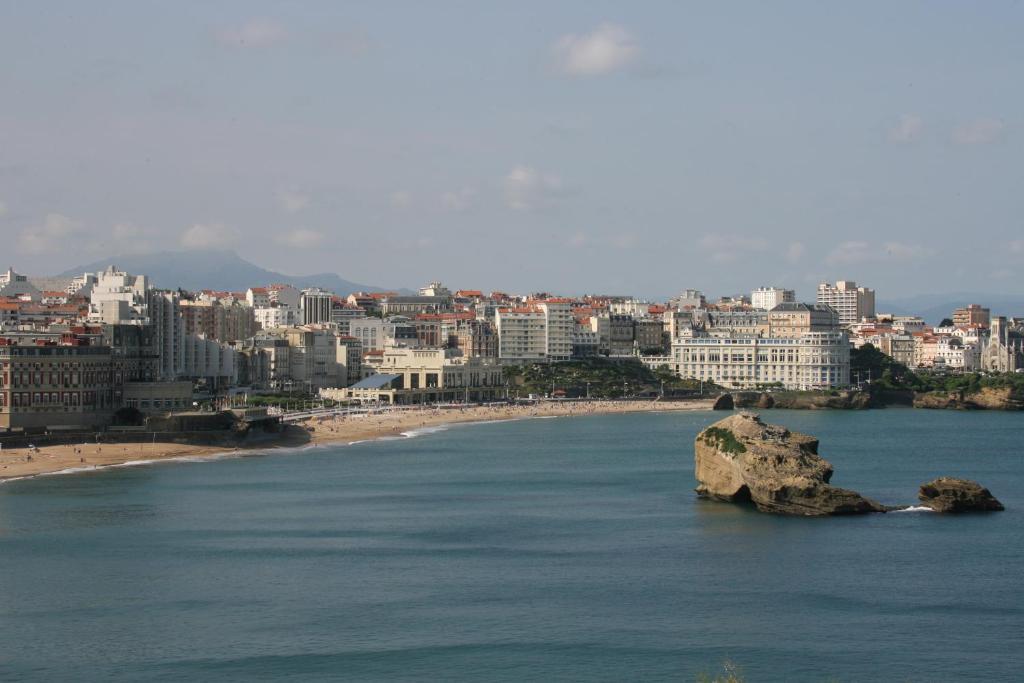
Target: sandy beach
<point>21,462</point>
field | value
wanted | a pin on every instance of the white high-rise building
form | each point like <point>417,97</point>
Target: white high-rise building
<point>522,334</point>
<point>767,298</point>
<point>119,298</point>
<point>559,325</point>
<point>851,302</point>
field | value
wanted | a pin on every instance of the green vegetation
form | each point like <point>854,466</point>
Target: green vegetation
<point>888,375</point>
<point>597,378</point>
<point>723,440</point>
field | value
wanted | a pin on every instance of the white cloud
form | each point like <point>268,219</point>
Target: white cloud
<point>978,132</point>
<point>401,199</point>
<point>50,236</point>
<point>527,189</point>
<point>301,238</point>
<point>862,252</point>
<point>908,129</point>
<point>458,200</point>
<point>209,236</point>
<point>253,33</point>
<point>795,252</point>
<point>1017,246</point>
<point>608,48</point>
<point>728,248</point>
<point>292,201</point>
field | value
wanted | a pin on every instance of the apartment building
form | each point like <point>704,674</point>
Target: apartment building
<point>850,302</point>
<point>558,327</point>
<point>767,298</point>
<point>973,315</point>
<point>522,334</point>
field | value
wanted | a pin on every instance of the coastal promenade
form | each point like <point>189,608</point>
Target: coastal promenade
<point>322,429</point>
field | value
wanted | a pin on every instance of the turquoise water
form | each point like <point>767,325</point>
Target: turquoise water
<point>555,549</point>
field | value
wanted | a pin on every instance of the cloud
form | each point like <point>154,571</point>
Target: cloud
<point>1017,247</point>
<point>979,132</point>
<point>209,236</point>
<point>292,201</point>
<point>3,209</point>
<point>400,199</point>
<point>254,33</point>
<point>301,238</point>
<point>458,200</point>
<point>608,48</point>
<point>907,129</point>
<point>795,252</point>
<point>728,248</point>
<point>527,189</point>
<point>50,236</point>
<point>854,252</point>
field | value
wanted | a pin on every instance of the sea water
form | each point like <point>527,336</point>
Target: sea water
<point>565,549</point>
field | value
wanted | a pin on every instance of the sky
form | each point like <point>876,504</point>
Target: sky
<point>570,147</point>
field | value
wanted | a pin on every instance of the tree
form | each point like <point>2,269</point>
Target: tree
<point>946,322</point>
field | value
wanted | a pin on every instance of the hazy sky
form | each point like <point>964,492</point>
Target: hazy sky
<point>568,146</point>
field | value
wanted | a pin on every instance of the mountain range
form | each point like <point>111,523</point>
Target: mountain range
<point>216,269</point>
<point>934,307</point>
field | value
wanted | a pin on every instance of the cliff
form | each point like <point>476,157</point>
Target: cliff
<point>984,399</point>
<point>741,459</point>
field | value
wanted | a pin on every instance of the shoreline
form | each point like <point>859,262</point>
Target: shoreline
<point>21,463</point>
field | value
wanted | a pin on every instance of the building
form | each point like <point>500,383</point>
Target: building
<point>817,360</point>
<point>427,376</point>
<point>767,298</point>
<point>18,286</point>
<point>689,299</point>
<point>522,334</point>
<point>795,320</point>
<point>973,315</point>
<point>47,384</point>
<point>316,305</point>
<point>274,316</point>
<point>1004,350</point>
<point>851,302</point>
<point>411,305</point>
<point>558,327</point>
<point>117,297</point>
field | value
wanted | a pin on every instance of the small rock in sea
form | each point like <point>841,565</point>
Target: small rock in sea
<point>948,494</point>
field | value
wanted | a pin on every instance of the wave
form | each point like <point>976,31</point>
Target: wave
<point>914,508</point>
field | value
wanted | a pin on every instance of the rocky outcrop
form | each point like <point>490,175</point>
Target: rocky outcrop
<point>741,459</point>
<point>802,400</point>
<point>947,494</point>
<point>987,398</point>
<point>723,402</point>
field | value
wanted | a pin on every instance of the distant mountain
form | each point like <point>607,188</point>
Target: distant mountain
<point>934,307</point>
<point>215,269</point>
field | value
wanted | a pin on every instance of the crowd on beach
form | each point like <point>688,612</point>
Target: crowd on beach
<point>348,427</point>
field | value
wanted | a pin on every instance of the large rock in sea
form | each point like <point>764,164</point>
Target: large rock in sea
<point>741,459</point>
<point>947,494</point>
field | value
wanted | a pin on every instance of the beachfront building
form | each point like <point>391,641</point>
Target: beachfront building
<point>316,305</point>
<point>850,302</point>
<point>816,360</point>
<point>47,384</point>
<point>409,376</point>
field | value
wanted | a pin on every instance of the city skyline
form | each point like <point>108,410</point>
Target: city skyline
<point>583,147</point>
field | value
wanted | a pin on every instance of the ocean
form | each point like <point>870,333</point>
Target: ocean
<point>544,549</point>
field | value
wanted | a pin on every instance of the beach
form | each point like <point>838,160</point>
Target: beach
<point>387,422</point>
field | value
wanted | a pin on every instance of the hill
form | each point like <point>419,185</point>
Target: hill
<point>215,269</point>
<point>934,307</point>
